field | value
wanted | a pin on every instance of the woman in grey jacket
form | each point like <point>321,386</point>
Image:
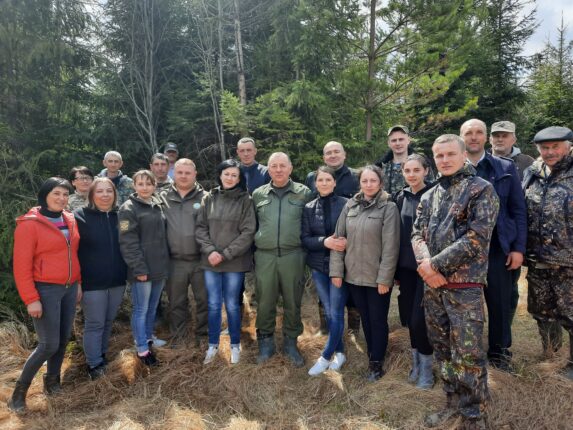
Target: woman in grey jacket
<point>225,231</point>
<point>370,222</point>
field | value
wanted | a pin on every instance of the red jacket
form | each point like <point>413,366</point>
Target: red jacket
<point>42,253</point>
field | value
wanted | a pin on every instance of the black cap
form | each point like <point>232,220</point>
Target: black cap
<point>170,147</point>
<point>553,134</point>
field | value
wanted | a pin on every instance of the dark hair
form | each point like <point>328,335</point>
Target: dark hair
<point>227,164</point>
<point>422,159</point>
<point>79,169</point>
<point>91,192</point>
<point>47,187</point>
<point>373,168</point>
<point>159,156</point>
<point>144,173</point>
<point>325,169</point>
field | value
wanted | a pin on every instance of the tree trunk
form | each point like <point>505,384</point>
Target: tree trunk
<point>371,70</point>
<point>239,54</point>
<point>217,116</point>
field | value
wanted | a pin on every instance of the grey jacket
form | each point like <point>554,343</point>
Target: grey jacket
<point>372,231</point>
<point>181,214</point>
<point>226,223</point>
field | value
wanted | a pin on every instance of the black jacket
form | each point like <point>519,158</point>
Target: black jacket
<point>319,219</point>
<point>101,262</point>
<point>346,182</point>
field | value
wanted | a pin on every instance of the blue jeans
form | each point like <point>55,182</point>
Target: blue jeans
<point>334,301</point>
<point>100,309</point>
<point>227,286</point>
<point>145,297</point>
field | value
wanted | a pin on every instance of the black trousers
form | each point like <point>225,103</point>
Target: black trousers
<point>498,296</point>
<point>411,308</point>
<point>373,308</point>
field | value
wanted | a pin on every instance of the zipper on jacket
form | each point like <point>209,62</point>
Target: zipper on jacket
<point>279,226</point>
<point>69,244</point>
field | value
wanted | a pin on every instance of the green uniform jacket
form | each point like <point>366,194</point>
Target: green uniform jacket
<point>280,218</point>
<point>226,223</point>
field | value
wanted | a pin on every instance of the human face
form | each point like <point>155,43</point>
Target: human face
<point>449,157</point>
<point>172,156</point>
<point>160,168</point>
<point>103,196</point>
<point>57,199</point>
<point>112,164</point>
<point>501,143</point>
<point>553,152</point>
<point>280,169</point>
<point>474,136</point>
<point>144,188</point>
<point>398,142</point>
<point>184,177</point>
<point>82,182</point>
<point>325,183</point>
<point>414,174</point>
<point>230,177</point>
<point>246,152</point>
<point>333,155</point>
<point>370,184</point>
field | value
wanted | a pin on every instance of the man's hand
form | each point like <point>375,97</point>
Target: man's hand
<point>514,260</point>
<point>335,243</point>
<point>425,269</point>
<point>436,281</point>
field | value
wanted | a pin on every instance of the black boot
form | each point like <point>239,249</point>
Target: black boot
<point>266,347</point>
<point>323,324</point>
<point>375,371</point>
<point>17,403</point>
<point>551,336</point>
<point>52,384</point>
<point>353,319</point>
<point>436,419</point>
<point>292,352</point>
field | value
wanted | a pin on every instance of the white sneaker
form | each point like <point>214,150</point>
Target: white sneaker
<point>337,362</point>
<point>235,354</point>
<point>211,354</point>
<point>158,343</point>
<point>319,367</point>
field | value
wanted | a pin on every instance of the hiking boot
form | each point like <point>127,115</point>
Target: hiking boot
<point>17,402</point>
<point>52,384</point>
<point>266,347</point>
<point>211,354</point>
<point>337,362</point>
<point>426,377</point>
<point>353,319</point>
<point>96,372</point>
<point>415,370</point>
<point>235,354</point>
<point>321,366</point>
<point>375,371</point>
<point>436,419</point>
<point>292,352</point>
<point>472,424</point>
<point>149,359</point>
<point>323,330</point>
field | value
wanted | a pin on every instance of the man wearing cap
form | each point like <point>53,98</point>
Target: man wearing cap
<point>502,139</point>
<point>548,185</point>
<point>172,154</point>
<point>159,166</point>
<point>391,162</point>
<point>256,174</point>
<point>113,162</point>
<point>508,240</point>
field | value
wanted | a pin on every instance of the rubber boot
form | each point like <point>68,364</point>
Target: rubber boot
<point>52,384</point>
<point>353,319</point>
<point>426,378</point>
<point>17,403</point>
<point>375,371</point>
<point>415,370</point>
<point>266,347</point>
<point>292,352</point>
<point>436,419</point>
<point>323,330</point>
<point>551,337</point>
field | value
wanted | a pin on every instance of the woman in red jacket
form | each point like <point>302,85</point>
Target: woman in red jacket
<point>47,275</point>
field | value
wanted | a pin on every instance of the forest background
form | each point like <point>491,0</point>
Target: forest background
<point>79,78</point>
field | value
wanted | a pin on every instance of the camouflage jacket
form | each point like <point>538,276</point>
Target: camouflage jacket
<point>394,181</point>
<point>77,201</point>
<point>549,198</point>
<point>454,225</point>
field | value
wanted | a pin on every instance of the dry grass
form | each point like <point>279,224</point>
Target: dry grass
<point>184,394</point>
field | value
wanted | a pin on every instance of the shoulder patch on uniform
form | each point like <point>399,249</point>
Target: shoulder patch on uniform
<point>124,225</point>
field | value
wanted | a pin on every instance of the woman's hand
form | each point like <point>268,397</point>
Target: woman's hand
<point>337,282</point>
<point>383,289</point>
<point>35,309</point>
<point>142,278</point>
<point>215,258</point>
<point>80,294</point>
<point>335,243</point>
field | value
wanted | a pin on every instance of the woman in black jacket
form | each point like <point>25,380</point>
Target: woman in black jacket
<point>317,234</point>
<point>415,171</point>
<point>103,271</point>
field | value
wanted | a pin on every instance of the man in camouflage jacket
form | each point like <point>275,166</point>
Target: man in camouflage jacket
<point>548,188</point>
<point>451,238</point>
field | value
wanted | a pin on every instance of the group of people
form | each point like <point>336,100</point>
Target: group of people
<point>448,243</point>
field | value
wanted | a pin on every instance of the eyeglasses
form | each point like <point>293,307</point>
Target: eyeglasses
<point>84,178</point>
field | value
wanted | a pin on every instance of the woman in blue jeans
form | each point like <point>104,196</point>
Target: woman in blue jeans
<point>143,244</point>
<point>318,224</point>
<point>103,271</point>
<point>225,230</point>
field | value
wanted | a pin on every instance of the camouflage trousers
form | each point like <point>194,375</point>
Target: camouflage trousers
<point>455,320</point>
<point>550,295</point>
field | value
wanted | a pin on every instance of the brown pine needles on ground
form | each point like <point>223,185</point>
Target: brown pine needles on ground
<point>184,394</point>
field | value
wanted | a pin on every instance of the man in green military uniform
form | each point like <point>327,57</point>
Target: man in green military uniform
<point>451,238</point>
<point>548,188</point>
<point>279,259</point>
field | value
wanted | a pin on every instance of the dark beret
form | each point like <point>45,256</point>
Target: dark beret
<point>553,134</point>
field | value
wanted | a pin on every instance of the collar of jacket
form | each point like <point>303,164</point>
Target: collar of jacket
<point>270,189</point>
<point>380,200</point>
<point>537,168</point>
<point>173,194</point>
<point>154,200</point>
<point>235,193</point>
<point>427,186</point>
<point>34,215</point>
<point>250,168</point>
<point>466,170</point>
<point>389,155</point>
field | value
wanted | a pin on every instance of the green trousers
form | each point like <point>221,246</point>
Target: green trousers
<point>279,276</point>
